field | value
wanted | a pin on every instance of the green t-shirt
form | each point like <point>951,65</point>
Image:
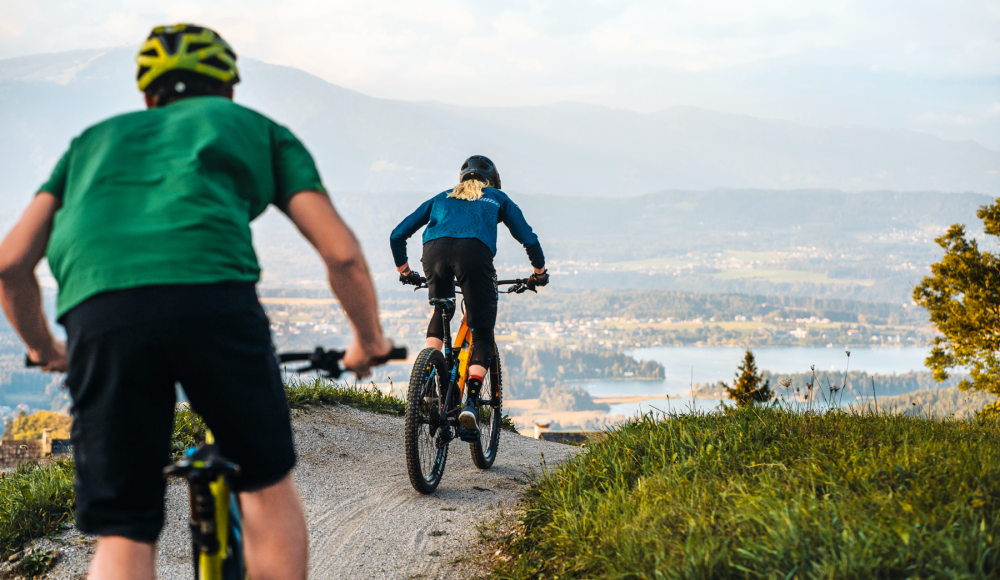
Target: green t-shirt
<point>166,196</point>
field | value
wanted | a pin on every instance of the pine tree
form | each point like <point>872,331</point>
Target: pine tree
<point>748,388</point>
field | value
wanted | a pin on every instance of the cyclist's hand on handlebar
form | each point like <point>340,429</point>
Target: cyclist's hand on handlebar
<point>52,360</point>
<point>360,361</point>
<point>538,280</point>
<point>411,278</point>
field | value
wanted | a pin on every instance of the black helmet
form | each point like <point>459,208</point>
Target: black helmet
<point>480,167</point>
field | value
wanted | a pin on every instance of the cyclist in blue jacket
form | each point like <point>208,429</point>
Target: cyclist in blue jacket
<point>459,245</point>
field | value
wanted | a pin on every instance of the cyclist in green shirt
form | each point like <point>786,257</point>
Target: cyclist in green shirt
<point>145,222</point>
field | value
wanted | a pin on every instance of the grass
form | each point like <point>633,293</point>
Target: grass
<point>36,562</point>
<point>304,392</point>
<point>36,500</point>
<point>769,493</point>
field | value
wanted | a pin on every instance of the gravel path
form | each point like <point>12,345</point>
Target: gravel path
<point>365,520</point>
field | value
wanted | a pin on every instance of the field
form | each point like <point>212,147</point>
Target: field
<point>767,493</point>
<point>789,276</point>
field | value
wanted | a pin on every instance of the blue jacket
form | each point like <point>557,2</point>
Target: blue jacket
<point>449,217</point>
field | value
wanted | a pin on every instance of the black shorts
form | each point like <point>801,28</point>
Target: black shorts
<point>469,262</point>
<point>127,350</point>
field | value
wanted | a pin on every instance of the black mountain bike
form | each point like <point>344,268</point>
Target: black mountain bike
<point>216,519</point>
<point>435,397</point>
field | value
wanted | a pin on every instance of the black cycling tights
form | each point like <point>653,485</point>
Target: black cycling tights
<point>469,262</point>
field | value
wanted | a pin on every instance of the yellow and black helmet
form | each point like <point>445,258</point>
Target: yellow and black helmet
<point>186,47</point>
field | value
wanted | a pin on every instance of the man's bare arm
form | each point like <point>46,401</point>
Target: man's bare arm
<point>317,219</point>
<point>20,294</point>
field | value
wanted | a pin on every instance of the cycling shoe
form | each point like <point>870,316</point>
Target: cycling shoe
<point>468,418</point>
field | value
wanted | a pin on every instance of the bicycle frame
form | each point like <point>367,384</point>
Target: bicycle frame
<point>456,371</point>
<point>464,333</point>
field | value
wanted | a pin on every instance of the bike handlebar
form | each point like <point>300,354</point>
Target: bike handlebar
<point>517,285</point>
<point>328,361</point>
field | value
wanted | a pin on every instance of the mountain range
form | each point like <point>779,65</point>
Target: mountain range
<point>369,144</point>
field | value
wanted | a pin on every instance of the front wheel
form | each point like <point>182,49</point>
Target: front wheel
<point>424,441</point>
<point>484,451</point>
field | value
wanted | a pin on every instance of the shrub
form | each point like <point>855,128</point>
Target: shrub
<point>26,426</point>
<point>189,431</point>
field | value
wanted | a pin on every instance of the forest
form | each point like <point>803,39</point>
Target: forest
<point>676,305</point>
<point>527,371</point>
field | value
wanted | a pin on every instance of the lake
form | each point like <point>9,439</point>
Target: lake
<point>711,364</point>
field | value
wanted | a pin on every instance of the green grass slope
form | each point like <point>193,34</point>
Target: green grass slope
<point>767,493</point>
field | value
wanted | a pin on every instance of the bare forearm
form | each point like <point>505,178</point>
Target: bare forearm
<point>351,281</point>
<point>20,252</point>
<point>27,317</point>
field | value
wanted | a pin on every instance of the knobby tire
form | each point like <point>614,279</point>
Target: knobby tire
<point>484,451</point>
<point>426,452</point>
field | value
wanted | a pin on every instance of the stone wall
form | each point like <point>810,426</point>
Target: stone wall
<point>14,451</point>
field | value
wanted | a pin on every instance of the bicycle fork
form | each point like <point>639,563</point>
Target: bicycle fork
<point>206,472</point>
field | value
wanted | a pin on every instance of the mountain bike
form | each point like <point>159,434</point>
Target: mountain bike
<point>436,394</point>
<point>216,519</point>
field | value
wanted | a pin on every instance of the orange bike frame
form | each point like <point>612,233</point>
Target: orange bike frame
<point>464,335</point>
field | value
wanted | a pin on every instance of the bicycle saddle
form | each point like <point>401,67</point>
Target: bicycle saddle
<point>446,304</point>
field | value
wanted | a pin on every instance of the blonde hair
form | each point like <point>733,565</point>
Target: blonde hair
<point>470,190</point>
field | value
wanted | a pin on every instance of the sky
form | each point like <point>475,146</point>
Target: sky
<point>916,64</point>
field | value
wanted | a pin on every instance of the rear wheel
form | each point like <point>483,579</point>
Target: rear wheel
<point>484,451</point>
<point>426,449</point>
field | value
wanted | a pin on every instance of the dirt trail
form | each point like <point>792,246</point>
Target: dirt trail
<point>365,520</point>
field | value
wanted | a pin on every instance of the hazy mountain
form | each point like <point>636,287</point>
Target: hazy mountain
<point>369,144</point>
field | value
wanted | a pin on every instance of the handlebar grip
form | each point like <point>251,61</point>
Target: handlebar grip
<point>397,353</point>
<point>294,356</point>
<point>415,280</point>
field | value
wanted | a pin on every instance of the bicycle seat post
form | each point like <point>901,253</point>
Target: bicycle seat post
<point>447,308</point>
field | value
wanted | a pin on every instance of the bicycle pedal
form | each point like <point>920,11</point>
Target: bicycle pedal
<point>443,438</point>
<point>468,435</point>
